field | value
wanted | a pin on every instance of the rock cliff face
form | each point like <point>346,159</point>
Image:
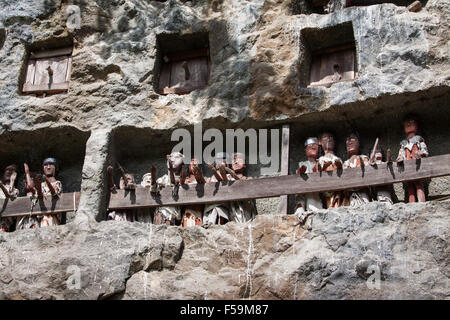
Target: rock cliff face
<point>377,251</point>
<point>260,53</point>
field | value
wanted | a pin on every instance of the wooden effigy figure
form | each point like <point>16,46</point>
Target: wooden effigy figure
<point>193,214</point>
<point>355,197</point>
<point>8,191</point>
<point>311,202</point>
<point>218,213</point>
<point>240,211</point>
<point>29,222</point>
<point>170,215</point>
<point>413,147</point>
<point>50,187</point>
<point>329,162</point>
<point>127,182</point>
<point>382,193</point>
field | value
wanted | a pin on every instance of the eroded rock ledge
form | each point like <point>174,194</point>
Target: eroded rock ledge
<point>273,257</point>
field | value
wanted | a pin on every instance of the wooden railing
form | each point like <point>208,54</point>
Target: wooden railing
<point>367,176</point>
<point>22,206</point>
<point>284,185</point>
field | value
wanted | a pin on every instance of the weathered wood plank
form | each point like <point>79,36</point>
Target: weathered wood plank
<point>284,164</point>
<point>21,206</point>
<point>54,87</point>
<point>292,184</point>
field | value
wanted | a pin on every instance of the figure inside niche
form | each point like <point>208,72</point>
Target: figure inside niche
<point>329,162</point>
<point>148,182</point>
<point>356,197</point>
<point>218,213</point>
<point>335,77</point>
<point>29,222</point>
<point>413,147</point>
<point>50,187</point>
<point>193,214</point>
<point>311,202</point>
<point>170,215</point>
<point>335,5</point>
<point>240,211</point>
<point>382,193</point>
<point>127,182</point>
<point>8,191</point>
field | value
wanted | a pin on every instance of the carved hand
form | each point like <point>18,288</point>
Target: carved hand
<point>302,169</point>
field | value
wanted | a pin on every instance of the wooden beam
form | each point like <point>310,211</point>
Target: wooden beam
<point>292,184</point>
<point>51,53</point>
<point>38,88</point>
<point>284,165</point>
<point>21,206</point>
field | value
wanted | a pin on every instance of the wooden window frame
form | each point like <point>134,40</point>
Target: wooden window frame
<point>319,53</point>
<point>177,57</point>
<point>31,88</point>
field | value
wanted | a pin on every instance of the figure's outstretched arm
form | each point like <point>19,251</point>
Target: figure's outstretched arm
<point>153,173</point>
<point>111,184</point>
<point>30,183</point>
<point>215,173</point>
<point>198,175</point>
<point>232,173</point>
<point>388,156</point>
<point>38,185</point>
<point>122,173</point>
<point>223,173</point>
<point>183,176</point>
<point>12,180</point>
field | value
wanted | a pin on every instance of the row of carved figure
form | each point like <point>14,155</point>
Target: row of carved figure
<point>192,215</point>
<point>413,147</point>
<point>36,186</point>
<point>46,184</point>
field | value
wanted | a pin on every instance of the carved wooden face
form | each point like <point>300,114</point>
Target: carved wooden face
<point>147,180</point>
<point>7,174</point>
<point>312,150</point>
<point>411,126</point>
<point>176,159</point>
<point>352,144</point>
<point>378,156</point>
<point>219,162</point>
<point>238,164</point>
<point>327,142</point>
<point>49,169</point>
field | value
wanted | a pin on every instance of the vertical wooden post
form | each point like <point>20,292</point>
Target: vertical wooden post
<point>284,164</point>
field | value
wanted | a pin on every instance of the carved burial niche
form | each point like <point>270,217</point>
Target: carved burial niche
<point>183,63</point>
<point>328,55</point>
<point>48,71</point>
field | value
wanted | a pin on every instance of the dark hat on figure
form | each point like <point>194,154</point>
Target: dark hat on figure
<point>49,160</point>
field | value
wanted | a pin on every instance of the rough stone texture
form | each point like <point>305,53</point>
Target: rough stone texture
<point>273,257</point>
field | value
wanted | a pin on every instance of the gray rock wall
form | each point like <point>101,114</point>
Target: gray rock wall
<point>259,68</point>
<point>374,252</point>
